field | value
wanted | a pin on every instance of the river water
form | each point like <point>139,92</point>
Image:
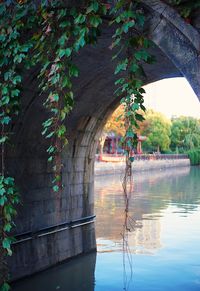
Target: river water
<point>160,249</point>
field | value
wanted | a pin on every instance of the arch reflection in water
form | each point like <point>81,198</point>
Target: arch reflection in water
<point>78,274</point>
<point>164,242</point>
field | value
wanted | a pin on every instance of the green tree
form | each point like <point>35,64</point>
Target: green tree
<point>158,132</point>
<point>185,133</point>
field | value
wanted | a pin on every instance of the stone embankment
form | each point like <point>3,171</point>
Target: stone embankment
<point>142,163</point>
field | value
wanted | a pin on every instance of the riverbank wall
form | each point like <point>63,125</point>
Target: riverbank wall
<point>140,165</point>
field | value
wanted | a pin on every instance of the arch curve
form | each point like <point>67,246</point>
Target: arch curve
<point>177,53</point>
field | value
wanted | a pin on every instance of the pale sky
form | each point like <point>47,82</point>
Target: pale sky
<point>172,97</point>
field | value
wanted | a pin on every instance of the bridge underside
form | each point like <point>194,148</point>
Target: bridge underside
<point>43,212</point>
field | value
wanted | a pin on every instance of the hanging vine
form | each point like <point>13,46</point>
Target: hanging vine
<point>48,34</point>
<point>129,41</point>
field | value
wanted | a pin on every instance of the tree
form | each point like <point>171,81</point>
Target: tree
<point>115,123</point>
<point>157,132</point>
<point>185,133</point>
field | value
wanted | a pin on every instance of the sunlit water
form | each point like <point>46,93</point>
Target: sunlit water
<point>163,241</point>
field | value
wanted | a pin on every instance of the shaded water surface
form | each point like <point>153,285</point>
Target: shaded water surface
<point>163,241</point>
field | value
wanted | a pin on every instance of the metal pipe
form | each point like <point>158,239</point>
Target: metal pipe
<point>54,229</point>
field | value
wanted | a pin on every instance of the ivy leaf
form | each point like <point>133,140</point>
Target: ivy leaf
<point>135,106</point>
<point>65,52</point>
<point>121,66</point>
<point>93,7</point>
<point>73,71</point>
<point>61,131</point>
<point>128,25</point>
<point>3,139</point>
<point>5,287</point>
<point>50,134</point>
<point>50,159</point>
<point>134,67</point>
<point>55,188</point>
<point>6,243</point>
<point>2,8</point>
<point>51,149</point>
<point>7,227</point>
<point>80,19</point>
<point>95,20</point>
<point>3,199</point>
<point>142,55</point>
<point>139,117</point>
<point>131,159</point>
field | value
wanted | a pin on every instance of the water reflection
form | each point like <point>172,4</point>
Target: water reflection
<point>75,275</point>
<point>153,193</point>
<point>164,240</point>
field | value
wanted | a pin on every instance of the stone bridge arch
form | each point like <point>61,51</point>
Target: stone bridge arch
<point>53,227</point>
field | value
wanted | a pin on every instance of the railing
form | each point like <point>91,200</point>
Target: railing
<point>144,157</point>
<point>140,157</point>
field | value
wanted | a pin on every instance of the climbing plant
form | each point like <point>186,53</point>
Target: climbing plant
<point>185,7</point>
<point>46,35</point>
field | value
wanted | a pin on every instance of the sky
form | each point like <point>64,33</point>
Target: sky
<point>172,97</point>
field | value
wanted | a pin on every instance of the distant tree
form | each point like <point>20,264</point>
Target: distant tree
<point>115,123</point>
<point>157,132</point>
<point>185,133</point>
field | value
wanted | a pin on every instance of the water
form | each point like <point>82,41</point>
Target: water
<point>163,241</point>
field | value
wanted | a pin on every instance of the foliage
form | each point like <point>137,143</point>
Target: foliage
<point>8,198</point>
<point>48,34</point>
<point>194,156</point>
<point>185,7</point>
<point>157,132</point>
<point>135,48</point>
<point>185,134</point>
<point>115,123</point>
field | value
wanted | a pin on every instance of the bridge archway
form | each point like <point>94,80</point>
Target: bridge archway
<point>53,227</point>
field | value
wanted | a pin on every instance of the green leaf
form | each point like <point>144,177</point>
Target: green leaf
<point>141,90</point>
<point>9,181</point>
<point>51,149</point>
<point>15,93</point>
<point>93,7</point>
<point>55,188</point>
<point>128,25</point>
<point>73,71</point>
<point>7,227</point>
<point>121,66</point>
<point>55,97</point>
<point>3,199</point>
<point>6,243</point>
<point>50,134</point>
<point>139,117</point>
<point>2,190</point>
<point>135,106</point>
<point>143,107</point>
<point>5,287</point>
<point>80,19</point>
<point>61,131</point>
<point>134,67</point>
<point>3,139</point>
<point>142,55</point>
<point>95,20</point>
<point>50,159</point>
<point>17,79</point>
<point>48,122</point>
<point>65,52</point>
<point>2,8</point>
<point>120,81</point>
